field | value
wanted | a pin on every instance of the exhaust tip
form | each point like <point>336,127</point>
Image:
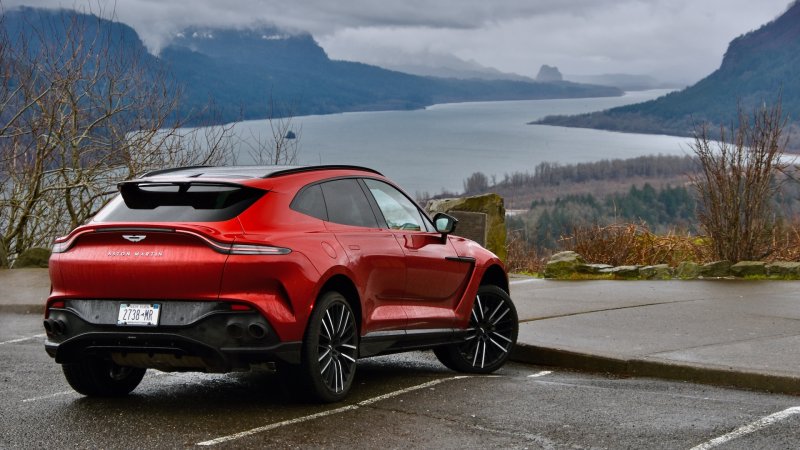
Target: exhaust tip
<point>59,327</point>
<point>56,327</point>
<point>257,330</point>
<point>235,330</point>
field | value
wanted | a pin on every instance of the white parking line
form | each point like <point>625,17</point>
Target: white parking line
<point>540,374</point>
<point>331,412</point>
<point>748,429</point>
<point>14,341</point>
<point>45,397</point>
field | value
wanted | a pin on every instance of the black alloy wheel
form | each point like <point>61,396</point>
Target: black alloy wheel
<point>96,377</point>
<point>330,348</point>
<point>491,335</point>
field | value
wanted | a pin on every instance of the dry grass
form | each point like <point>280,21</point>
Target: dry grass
<point>786,243</point>
<point>522,258</point>
<point>629,244</point>
<point>633,244</point>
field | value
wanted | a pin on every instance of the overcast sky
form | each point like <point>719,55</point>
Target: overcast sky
<point>681,40</point>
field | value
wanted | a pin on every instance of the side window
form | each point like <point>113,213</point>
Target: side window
<point>400,212</point>
<point>347,204</point>
<point>310,201</point>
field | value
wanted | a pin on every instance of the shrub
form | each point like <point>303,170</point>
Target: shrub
<point>629,244</point>
<point>738,183</point>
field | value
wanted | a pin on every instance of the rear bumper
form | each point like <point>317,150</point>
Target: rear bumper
<point>205,338</point>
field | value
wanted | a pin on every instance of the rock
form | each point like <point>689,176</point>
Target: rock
<point>749,268</point>
<point>789,270</point>
<point>32,257</point>
<point>549,74</point>
<point>716,269</point>
<point>563,265</point>
<point>490,204</point>
<point>656,272</point>
<point>687,270</point>
<point>625,271</point>
<point>592,269</point>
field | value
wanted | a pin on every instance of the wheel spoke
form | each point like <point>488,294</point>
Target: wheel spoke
<point>326,330</point>
<point>501,316</point>
<point>346,323</point>
<point>327,364</point>
<point>501,336</point>
<point>337,324</point>
<point>498,345</point>
<point>348,357</point>
<point>483,355</point>
<point>477,350</point>
<point>330,323</point>
<point>351,347</point>
<point>341,376</point>
<point>335,376</point>
<point>327,352</point>
<point>499,305</point>
<point>480,306</point>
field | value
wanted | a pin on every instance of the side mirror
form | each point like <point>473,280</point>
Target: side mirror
<point>444,223</point>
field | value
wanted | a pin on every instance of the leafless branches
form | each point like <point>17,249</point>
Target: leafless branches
<point>78,115</point>
<point>738,181</point>
<point>282,144</point>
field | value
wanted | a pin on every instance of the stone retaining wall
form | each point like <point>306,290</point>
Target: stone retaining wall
<point>570,265</point>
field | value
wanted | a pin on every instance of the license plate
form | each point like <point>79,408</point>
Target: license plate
<point>138,314</point>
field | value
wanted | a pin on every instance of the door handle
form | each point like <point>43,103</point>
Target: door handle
<point>463,259</point>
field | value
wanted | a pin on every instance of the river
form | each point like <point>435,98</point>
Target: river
<point>436,148</point>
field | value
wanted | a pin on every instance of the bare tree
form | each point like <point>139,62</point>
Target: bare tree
<point>738,181</point>
<point>80,114</point>
<point>476,183</point>
<point>282,144</point>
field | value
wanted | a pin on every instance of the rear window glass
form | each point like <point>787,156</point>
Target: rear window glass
<point>178,202</point>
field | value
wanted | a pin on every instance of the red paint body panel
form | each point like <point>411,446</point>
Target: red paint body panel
<point>103,265</point>
<point>403,279</point>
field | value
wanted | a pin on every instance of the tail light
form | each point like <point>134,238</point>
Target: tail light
<point>249,249</point>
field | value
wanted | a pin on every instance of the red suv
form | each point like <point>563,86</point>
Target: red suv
<point>307,269</point>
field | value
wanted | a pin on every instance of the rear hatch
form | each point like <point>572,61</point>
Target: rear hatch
<point>158,240</point>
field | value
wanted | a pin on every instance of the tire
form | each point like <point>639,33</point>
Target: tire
<point>330,349</point>
<point>491,335</point>
<point>95,377</point>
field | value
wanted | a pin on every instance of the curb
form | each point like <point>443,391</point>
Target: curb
<point>668,370</point>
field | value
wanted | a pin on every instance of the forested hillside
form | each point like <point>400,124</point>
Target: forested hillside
<point>225,75</point>
<point>243,69</point>
<point>759,67</point>
<point>654,191</point>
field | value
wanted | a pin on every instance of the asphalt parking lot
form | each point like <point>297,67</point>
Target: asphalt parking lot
<point>401,401</point>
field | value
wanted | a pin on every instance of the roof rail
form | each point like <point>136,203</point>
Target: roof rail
<point>302,169</point>
<point>172,169</point>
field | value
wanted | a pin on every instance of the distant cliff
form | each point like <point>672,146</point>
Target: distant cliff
<point>759,67</point>
<point>548,74</point>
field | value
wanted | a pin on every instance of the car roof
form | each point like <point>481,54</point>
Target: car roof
<point>245,172</point>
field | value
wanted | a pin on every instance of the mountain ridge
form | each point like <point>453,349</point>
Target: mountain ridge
<point>242,72</point>
<point>758,68</point>
<point>294,70</point>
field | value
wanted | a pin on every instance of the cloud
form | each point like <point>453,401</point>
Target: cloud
<point>670,39</point>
